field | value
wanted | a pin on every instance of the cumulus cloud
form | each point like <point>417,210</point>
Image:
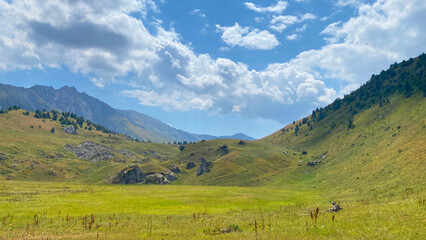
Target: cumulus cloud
<point>292,37</point>
<point>251,38</point>
<point>279,7</point>
<point>167,73</point>
<point>281,22</point>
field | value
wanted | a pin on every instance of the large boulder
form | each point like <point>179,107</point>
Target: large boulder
<point>156,178</point>
<point>129,175</point>
<point>204,167</point>
<point>70,130</point>
<point>91,151</point>
<point>170,176</point>
<point>190,165</point>
<point>174,169</point>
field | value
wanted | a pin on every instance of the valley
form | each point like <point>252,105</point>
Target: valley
<point>366,151</point>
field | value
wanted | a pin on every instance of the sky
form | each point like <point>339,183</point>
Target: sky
<point>214,66</point>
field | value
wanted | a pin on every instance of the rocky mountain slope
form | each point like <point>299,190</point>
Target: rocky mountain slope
<point>372,140</point>
<point>68,99</point>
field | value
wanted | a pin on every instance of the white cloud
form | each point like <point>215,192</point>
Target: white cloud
<point>169,74</point>
<point>251,38</point>
<point>259,19</point>
<point>281,22</point>
<point>292,37</point>
<point>98,82</point>
<point>308,16</point>
<point>279,7</point>
<point>353,3</point>
<point>198,13</point>
<point>302,28</point>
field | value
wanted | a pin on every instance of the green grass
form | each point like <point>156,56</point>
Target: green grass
<point>33,151</point>
<point>375,169</point>
<point>39,210</point>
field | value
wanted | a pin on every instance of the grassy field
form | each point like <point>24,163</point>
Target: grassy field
<point>278,187</point>
<point>49,210</point>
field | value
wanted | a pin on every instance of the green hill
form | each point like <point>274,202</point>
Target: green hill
<point>373,139</point>
<point>30,151</point>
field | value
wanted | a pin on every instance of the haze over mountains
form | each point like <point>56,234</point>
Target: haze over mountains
<point>373,138</point>
<point>68,99</point>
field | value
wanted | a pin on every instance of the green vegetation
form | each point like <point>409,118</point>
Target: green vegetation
<point>76,211</point>
<point>365,151</point>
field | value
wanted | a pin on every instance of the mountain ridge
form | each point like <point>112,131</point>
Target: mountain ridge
<point>68,99</point>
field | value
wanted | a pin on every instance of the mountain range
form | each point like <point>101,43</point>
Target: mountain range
<point>129,122</point>
<point>371,140</point>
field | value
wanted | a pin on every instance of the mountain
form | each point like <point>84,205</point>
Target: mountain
<point>373,140</point>
<point>240,136</point>
<point>68,99</point>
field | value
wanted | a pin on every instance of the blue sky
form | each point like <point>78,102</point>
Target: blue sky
<point>214,66</point>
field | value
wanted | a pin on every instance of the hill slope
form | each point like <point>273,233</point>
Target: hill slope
<point>68,99</point>
<point>373,138</point>
<point>35,149</point>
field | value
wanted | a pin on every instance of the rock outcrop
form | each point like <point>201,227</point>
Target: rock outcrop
<point>313,163</point>
<point>126,153</point>
<point>129,175</point>
<point>156,178</point>
<point>134,175</point>
<point>174,169</point>
<point>70,130</point>
<point>190,165</point>
<point>204,167</point>
<point>170,176</point>
<point>91,151</point>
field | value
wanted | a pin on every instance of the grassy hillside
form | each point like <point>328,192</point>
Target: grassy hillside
<point>373,139</point>
<point>33,152</point>
<point>366,151</point>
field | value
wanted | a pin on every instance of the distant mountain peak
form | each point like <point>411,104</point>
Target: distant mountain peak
<point>68,99</point>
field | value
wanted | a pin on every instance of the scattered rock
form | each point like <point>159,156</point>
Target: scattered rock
<point>285,152</point>
<point>70,130</point>
<point>126,153</point>
<point>174,169</point>
<point>313,163</point>
<point>204,167</point>
<point>170,176</point>
<point>34,164</point>
<point>3,157</point>
<point>91,151</point>
<point>223,150</point>
<point>156,178</point>
<point>190,165</point>
<point>129,175</point>
<point>335,208</point>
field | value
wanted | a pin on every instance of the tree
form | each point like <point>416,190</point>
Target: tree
<point>296,130</point>
<point>52,130</point>
<point>181,148</point>
<point>37,114</point>
<point>350,124</point>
